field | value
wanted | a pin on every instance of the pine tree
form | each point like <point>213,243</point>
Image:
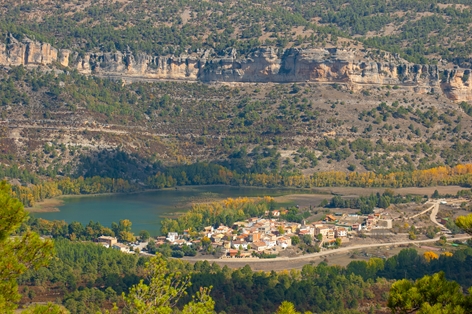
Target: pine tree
<point>17,252</point>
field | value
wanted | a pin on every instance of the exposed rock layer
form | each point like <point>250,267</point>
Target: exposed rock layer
<point>355,68</point>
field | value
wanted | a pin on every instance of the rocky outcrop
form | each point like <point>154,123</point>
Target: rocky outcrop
<point>64,56</point>
<point>28,52</point>
<point>456,84</point>
<point>319,65</point>
<point>140,65</point>
<point>354,68</point>
<point>357,69</point>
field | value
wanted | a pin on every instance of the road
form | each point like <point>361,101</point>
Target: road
<point>434,212</point>
<point>424,211</point>
<point>314,255</point>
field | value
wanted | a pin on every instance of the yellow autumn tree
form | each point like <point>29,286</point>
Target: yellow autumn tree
<point>465,223</point>
<point>288,308</point>
<point>429,255</point>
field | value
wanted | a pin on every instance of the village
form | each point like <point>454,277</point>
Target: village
<point>269,235</point>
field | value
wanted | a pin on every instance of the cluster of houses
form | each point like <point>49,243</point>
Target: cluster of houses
<point>269,235</point>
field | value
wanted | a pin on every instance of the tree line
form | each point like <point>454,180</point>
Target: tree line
<point>76,231</point>
<point>211,173</point>
<point>366,204</point>
<point>33,193</point>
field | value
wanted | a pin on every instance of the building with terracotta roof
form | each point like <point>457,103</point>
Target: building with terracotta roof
<point>258,246</point>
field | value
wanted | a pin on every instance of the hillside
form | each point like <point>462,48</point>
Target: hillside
<point>347,102</point>
<point>52,121</point>
<point>288,87</point>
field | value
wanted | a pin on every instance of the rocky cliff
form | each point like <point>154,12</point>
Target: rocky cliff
<point>352,67</point>
<point>29,52</point>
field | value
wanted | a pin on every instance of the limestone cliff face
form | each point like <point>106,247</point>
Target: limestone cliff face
<point>38,53</point>
<point>13,52</point>
<point>64,56</point>
<point>319,65</point>
<point>139,65</point>
<point>457,84</point>
<point>29,52</point>
<point>355,68</point>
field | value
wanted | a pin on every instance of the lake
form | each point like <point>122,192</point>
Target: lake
<point>146,210</point>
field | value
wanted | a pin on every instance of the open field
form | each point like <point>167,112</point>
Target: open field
<point>319,194</point>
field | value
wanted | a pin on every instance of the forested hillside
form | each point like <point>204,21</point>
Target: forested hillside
<point>59,122</point>
<point>67,124</point>
<point>120,96</point>
<point>421,31</point>
<point>88,276</point>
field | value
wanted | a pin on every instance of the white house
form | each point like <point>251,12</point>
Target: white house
<point>239,244</point>
<point>341,232</point>
<point>284,242</point>
<point>270,242</point>
<point>122,247</point>
<point>172,236</point>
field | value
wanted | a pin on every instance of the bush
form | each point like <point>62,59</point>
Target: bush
<point>177,254</point>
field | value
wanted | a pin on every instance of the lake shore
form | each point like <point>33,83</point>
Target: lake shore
<point>47,206</point>
<point>305,197</point>
<point>52,204</point>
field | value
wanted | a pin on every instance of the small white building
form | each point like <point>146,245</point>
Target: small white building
<point>341,232</point>
<point>270,243</point>
<point>122,247</point>
<point>239,244</point>
<point>284,242</point>
<point>208,231</point>
<point>172,236</point>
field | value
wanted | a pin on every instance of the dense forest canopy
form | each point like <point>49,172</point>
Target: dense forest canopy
<point>91,277</point>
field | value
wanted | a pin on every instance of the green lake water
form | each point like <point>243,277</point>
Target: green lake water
<point>146,210</point>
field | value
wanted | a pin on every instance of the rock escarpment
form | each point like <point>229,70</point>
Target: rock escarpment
<point>29,52</point>
<point>353,67</point>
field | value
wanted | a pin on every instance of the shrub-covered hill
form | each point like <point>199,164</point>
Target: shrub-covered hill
<point>65,123</point>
